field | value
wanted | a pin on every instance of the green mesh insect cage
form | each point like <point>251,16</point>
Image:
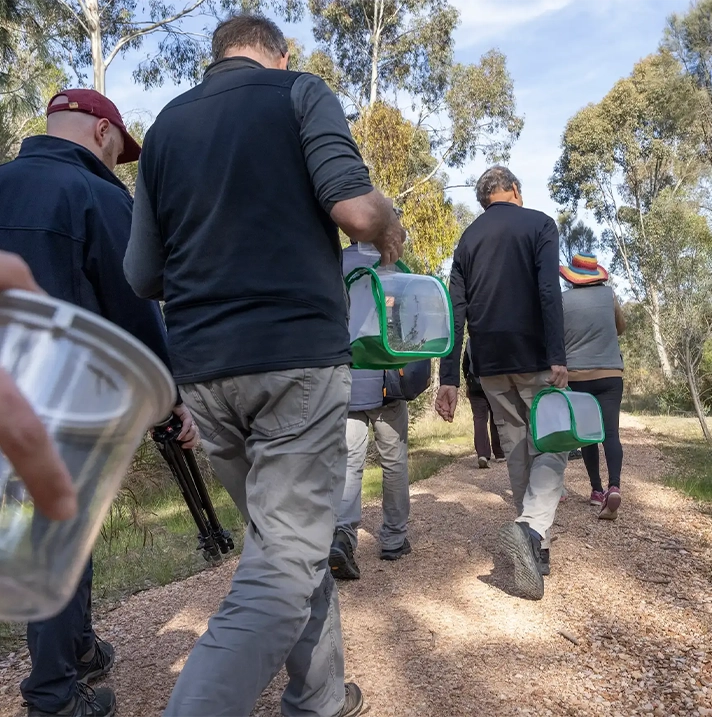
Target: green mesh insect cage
<point>397,317</point>
<point>565,420</point>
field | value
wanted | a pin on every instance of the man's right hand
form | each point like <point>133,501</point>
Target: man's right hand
<point>559,377</point>
<point>446,402</point>
<point>391,241</point>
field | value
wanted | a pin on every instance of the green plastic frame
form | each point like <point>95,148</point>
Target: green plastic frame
<point>380,299</point>
<point>579,442</point>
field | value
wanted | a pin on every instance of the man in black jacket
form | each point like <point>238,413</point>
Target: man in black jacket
<point>505,285</point>
<point>67,215</point>
<point>243,184</point>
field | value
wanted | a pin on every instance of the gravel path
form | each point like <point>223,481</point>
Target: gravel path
<point>625,627</point>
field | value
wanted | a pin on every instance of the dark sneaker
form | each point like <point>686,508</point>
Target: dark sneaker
<point>98,664</point>
<point>500,459</point>
<point>87,703</point>
<point>354,704</point>
<point>575,455</point>
<point>611,503</point>
<point>524,550</point>
<point>397,553</point>
<point>544,566</point>
<point>341,558</point>
<point>483,462</point>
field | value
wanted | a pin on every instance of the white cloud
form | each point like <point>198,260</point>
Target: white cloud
<point>482,18</point>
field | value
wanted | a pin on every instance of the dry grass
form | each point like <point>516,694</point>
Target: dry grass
<point>680,438</point>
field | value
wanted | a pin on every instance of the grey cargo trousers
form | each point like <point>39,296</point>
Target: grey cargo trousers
<point>277,442</point>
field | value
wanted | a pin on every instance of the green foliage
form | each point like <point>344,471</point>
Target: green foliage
<point>689,38</point>
<point>574,238</point>
<point>397,152</point>
<point>383,45</point>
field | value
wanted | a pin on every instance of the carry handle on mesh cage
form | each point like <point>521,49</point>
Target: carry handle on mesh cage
<point>213,539</point>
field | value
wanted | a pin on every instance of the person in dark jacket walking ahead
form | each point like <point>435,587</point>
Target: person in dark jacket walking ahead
<point>482,415</point>
<point>243,184</point>
<point>68,216</point>
<point>505,285</point>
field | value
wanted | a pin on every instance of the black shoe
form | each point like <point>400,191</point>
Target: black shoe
<point>98,664</point>
<point>575,455</point>
<point>86,703</point>
<point>341,558</point>
<point>354,704</point>
<point>524,550</point>
<point>544,566</point>
<point>397,553</point>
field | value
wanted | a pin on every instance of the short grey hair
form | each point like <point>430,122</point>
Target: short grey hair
<point>497,178</point>
<point>246,30</point>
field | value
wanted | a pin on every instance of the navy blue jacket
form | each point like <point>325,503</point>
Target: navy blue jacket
<point>69,218</point>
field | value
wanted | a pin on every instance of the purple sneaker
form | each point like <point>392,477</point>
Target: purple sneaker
<point>611,503</point>
<point>597,497</point>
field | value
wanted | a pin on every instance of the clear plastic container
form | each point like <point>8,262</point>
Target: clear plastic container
<point>565,420</point>
<point>97,390</point>
<point>397,317</point>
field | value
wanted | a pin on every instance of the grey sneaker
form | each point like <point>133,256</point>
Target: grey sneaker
<point>524,550</point>
<point>354,704</point>
<point>483,462</point>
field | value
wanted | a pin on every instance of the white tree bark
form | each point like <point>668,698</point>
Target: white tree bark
<point>97,55</point>
<point>663,357</point>
<point>377,28</point>
<point>695,393</point>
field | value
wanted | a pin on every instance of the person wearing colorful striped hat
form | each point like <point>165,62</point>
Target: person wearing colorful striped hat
<point>593,321</point>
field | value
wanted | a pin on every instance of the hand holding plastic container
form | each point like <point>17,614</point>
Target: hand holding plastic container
<point>397,317</point>
<point>97,391</point>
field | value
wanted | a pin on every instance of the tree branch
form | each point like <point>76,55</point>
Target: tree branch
<point>76,15</point>
<point>158,25</point>
<point>428,176</point>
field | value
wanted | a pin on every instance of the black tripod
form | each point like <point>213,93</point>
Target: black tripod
<point>213,539</point>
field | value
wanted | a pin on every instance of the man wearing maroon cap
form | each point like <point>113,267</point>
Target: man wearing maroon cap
<point>68,216</point>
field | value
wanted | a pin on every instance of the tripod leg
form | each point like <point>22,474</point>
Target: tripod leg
<point>182,477</point>
<point>202,490</point>
<point>222,536</point>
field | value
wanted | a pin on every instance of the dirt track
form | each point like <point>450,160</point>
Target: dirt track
<point>437,634</point>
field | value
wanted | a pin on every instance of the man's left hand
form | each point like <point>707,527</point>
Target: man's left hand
<point>446,402</point>
<point>189,435</point>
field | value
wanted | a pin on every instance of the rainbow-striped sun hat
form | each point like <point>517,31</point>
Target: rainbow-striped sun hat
<point>584,269</point>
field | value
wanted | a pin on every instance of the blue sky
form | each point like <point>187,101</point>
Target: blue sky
<point>562,54</point>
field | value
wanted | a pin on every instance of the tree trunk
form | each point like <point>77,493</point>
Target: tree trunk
<point>695,393</point>
<point>375,50</point>
<point>658,336</point>
<point>97,55</point>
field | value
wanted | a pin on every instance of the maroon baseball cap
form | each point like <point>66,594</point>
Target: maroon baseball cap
<point>94,103</point>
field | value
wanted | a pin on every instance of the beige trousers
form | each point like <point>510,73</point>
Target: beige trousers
<point>537,479</point>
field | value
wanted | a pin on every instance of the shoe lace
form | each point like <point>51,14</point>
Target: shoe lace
<point>86,693</point>
<point>101,655</point>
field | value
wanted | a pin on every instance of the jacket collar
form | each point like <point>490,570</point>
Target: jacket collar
<point>233,63</point>
<point>63,150</point>
<point>502,204</point>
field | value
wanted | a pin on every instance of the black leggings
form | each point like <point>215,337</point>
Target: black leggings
<point>609,392</point>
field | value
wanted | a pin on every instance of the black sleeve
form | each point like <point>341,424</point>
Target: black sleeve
<point>107,238</point>
<point>547,270</point>
<point>465,364</point>
<point>333,160</point>
<point>450,366</point>
<point>145,257</point>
